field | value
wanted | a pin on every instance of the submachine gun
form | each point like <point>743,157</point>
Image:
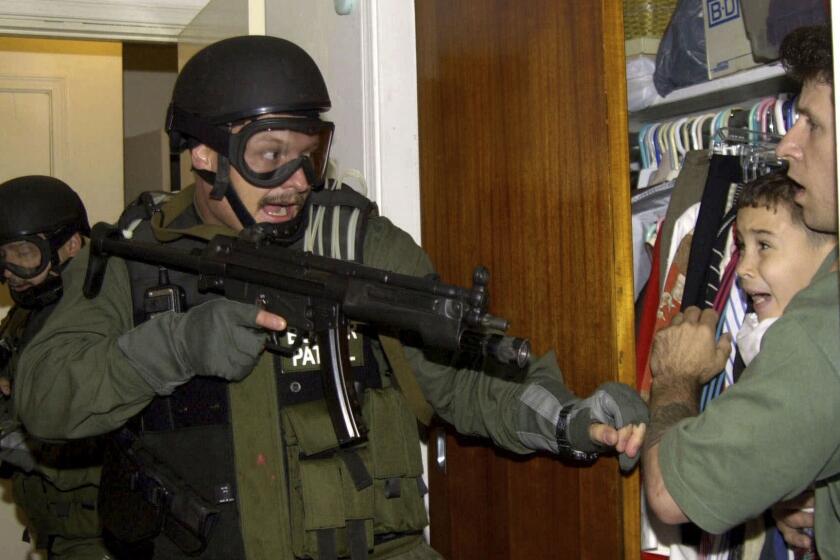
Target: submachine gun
<point>319,296</point>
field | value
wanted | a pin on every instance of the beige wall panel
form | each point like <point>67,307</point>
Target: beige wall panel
<point>86,125</point>
<point>26,129</point>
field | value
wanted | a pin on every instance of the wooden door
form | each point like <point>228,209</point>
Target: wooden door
<point>524,168</point>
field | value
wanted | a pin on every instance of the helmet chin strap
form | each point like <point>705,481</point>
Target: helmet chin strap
<point>37,297</point>
<point>221,188</point>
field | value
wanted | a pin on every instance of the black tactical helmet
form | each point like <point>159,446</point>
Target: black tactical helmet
<point>237,80</point>
<point>39,204</point>
<point>243,77</point>
<point>38,214</point>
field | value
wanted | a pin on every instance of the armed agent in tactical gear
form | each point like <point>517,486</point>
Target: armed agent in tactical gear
<point>42,221</point>
<point>227,451</point>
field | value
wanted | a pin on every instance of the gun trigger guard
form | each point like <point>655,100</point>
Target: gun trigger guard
<point>274,345</point>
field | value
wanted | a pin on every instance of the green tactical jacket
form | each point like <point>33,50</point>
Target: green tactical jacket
<point>55,484</point>
<point>95,390</point>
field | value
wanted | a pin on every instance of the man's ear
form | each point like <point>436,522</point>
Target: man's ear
<point>71,247</point>
<point>203,158</point>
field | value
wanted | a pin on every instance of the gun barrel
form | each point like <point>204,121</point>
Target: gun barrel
<point>508,350</point>
<point>503,349</point>
<point>493,323</point>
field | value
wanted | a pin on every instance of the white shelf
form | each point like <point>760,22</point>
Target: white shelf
<point>746,77</point>
<point>736,88</point>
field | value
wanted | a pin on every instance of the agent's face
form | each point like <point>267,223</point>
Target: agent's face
<point>28,255</point>
<point>778,259</point>
<point>25,255</point>
<point>809,148</point>
<point>267,151</point>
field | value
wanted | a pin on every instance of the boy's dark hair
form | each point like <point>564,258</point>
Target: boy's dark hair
<point>806,54</point>
<point>773,191</point>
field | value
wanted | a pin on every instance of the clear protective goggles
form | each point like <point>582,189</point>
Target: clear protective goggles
<point>267,152</point>
<point>26,258</point>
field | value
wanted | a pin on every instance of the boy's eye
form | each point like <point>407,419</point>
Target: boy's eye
<point>762,245</point>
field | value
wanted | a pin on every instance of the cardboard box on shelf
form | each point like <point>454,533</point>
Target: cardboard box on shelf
<point>727,48</point>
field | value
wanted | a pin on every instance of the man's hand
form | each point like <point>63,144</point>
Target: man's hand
<point>270,321</point>
<point>687,349</point>
<point>683,357</point>
<point>219,338</point>
<point>627,441</point>
<point>795,516</point>
<point>613,417</point>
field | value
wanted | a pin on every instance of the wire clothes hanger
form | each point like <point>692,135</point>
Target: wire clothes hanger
<point>757,150</point>
<point>761,127</point>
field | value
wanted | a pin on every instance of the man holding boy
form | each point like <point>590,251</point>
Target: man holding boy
<point>773,434</point>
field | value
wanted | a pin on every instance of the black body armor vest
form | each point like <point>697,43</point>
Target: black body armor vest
<point>188,432</point>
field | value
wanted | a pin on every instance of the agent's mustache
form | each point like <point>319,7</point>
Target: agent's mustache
<point>293,198</point>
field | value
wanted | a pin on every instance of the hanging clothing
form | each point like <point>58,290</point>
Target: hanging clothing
<point>648,210</point>
<point>723,171</point>
<point>688,189</point>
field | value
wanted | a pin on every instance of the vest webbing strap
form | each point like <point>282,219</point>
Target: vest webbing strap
<point>356,467</point>
<point>357,535</point>
<point>326,544</point>
<point>263,498</point>
<point>406,380</point>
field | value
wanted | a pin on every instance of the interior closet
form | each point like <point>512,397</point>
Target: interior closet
<point>525,141</point>
<point>700,145</point>
<point>684,225</point>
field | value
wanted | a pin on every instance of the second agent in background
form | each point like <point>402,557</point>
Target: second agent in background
<point>773,434</point>
<point>42,224</point>
<point>255,470</point>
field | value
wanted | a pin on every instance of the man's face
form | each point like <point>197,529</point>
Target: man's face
<point>809,148</point>
<point>778,258</point>
<point>267,151</point>
<point>27,255</point>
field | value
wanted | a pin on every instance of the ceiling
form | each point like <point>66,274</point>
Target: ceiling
<point>127,20</point>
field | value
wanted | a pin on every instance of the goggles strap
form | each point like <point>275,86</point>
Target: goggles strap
<point>239,209</point>
<point>221,179</point>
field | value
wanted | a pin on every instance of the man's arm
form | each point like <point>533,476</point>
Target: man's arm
<point>684,356</point>
<point>89,369</point>
<point>72,380</point>
<point>520,417</point>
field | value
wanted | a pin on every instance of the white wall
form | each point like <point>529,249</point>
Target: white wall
<point>368,61</point>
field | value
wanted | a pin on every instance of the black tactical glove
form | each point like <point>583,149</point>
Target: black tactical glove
<point>218,338</point>
<point>614,404</point>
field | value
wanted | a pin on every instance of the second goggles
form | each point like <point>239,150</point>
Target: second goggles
<point>26,258</point>
<point>267,151</point>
